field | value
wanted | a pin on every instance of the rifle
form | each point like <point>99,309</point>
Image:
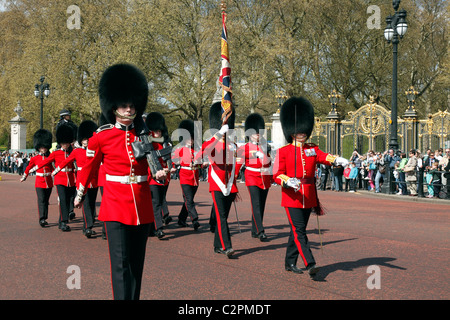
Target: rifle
<point>144,148</point>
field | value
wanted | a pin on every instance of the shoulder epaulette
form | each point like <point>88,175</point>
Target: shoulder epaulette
<point>105,127</point>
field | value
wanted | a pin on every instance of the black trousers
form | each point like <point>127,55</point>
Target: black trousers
<point>158,196</point>
<point>298,241</point>
<point>43,196</point>
<point>188,207</point>
<point>65,195</point>
<point>222,205</point>
<point>127,245</point>
<point>258,198</point>
<point>89,208</point>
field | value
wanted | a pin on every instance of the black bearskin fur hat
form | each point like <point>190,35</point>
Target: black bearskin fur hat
<point>86,130</point>
<point>42,139</point>
<point>254,121</point>
<point>297,116</point>
<point>186,125</point>
<point>65,134</point>
<point>122,83</point>
<point>215,117</point>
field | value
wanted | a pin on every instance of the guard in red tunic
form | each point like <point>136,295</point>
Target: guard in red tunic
<point>188,173</point>
<point>78,155</point>
<point>126,206</point>
<point>294,170</point>
<point>222,173</point>
<point>258,175</point>
<point>65,179</point>
<point>160,141</point>
<point>42,140</point>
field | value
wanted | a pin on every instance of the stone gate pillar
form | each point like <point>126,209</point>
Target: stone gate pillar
<point>18,130</point>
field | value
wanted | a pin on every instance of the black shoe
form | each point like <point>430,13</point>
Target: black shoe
<point>262,236</point>
<point>88,233</point>
<point>312,269</point>
<point>160,234</point>
<point>71,215</point>
<point>293,268</point>
<point>182,224</point>
<point>228,252</point>
<point>196,225</point>
<point>167,220</point>
<point>43,223</point>
<point>64,227</point>
<point>104,236</point>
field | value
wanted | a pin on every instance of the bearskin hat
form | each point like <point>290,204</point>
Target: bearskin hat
<point>254,121</point>
<point>86,130</point>
<point>215,117</point>
<point>122,83</point>
<point>155,121</point>
<point>297,116</point>
<point>65,134</point>
<point>186,125</point>
<point>42,139</point>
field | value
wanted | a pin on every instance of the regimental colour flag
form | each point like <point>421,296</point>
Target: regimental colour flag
<point>225,71</point>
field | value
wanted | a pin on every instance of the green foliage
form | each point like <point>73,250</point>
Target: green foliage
<point>301,47</point>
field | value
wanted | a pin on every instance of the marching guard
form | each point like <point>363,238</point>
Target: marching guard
<point>42,140</point>
<point>258,177</point>
<point>222,174</point>
<point>189,174</point>
<point>294,170</point>
<point>160,140</point>
<point>64,180</point>
<point>78,155</point>
<point>126,206</point>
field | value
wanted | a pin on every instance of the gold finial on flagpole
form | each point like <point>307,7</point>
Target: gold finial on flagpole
<point>223,5</point>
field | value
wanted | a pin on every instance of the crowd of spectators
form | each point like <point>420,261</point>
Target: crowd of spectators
<point>14,162</point>
<point>411,174</point>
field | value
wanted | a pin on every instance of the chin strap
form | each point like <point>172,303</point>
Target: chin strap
<point>122,116</point>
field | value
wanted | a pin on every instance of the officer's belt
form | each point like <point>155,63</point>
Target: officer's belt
<point>188,168</point>
<point>258,169</point>
<point>40,174</point>
<point>126,179</point>
<point>66,170</point>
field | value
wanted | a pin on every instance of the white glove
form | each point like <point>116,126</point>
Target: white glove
<point>293,183</point>
<point>259,154</point>
<point>24,177</point>
<point>224,129</point>
<point>341,161</point>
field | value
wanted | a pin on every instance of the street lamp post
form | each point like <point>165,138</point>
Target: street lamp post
<point>394,31</point>
<point>40,91</point>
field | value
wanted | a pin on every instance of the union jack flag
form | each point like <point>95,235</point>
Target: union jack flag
<point>225,72</point>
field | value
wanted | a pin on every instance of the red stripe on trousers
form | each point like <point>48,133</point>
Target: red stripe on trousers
<point>219,226</point>
<point>299,247</point>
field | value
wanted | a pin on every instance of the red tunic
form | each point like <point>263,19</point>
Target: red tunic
<point>214,150</point>
<point>66,177</point>
<point>128,202</point>
<point>184,156</point>
<point>308,156</point>
<point>78,155</point>
<point>257,171</point>
<point>43,173</point>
